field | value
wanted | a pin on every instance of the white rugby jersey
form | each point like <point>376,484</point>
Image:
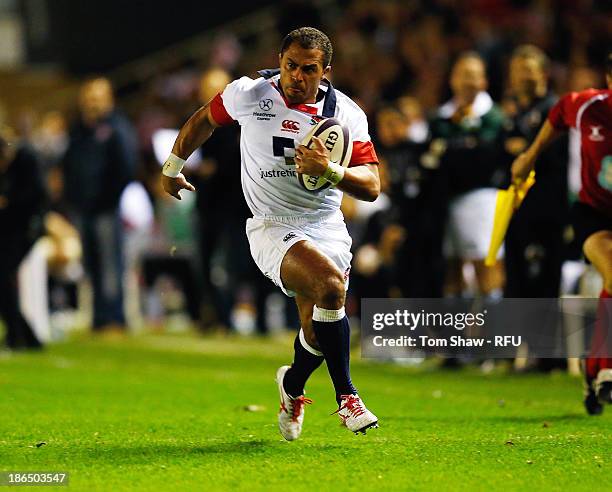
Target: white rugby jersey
<point>271,129</point>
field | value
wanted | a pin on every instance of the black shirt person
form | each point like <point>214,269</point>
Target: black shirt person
<point>534,242</point>
<point>22,206</point>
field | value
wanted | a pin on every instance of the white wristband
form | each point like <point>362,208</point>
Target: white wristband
<point>334,173</point>
<point>173,166</point>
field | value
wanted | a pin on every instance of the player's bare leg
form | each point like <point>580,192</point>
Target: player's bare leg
<point>320,284</point>
<point>305,307</point>
<point>488,279</point>
<point>598,366</point>
<point>598,249</point>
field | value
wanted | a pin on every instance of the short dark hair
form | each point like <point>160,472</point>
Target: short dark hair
<point>309,38</point>
<point>530,51</point>
<point>468,55</point>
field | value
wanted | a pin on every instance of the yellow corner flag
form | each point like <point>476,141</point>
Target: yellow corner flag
<point>507,202</point>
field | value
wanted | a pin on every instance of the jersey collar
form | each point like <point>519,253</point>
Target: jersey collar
<point>329,103</point>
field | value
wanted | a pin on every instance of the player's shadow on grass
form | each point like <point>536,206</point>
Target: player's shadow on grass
<point>164,452</point>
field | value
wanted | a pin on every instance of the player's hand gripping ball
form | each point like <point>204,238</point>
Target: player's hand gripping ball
<point>336,138</point>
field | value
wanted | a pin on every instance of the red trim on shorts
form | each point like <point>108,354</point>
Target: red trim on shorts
<point>363,153</point>
<point>219,113</point>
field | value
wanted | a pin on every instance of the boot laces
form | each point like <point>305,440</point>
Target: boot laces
<point>353,404</point>
<point>296,406</point>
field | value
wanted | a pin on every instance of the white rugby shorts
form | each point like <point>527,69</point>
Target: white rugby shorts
<point>470,224</point>
<point>270,238</point>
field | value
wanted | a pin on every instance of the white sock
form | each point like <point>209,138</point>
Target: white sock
<point>327,315</point>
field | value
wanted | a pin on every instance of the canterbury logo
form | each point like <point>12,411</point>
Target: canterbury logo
<point>289,236</point>
<point>290,126</point>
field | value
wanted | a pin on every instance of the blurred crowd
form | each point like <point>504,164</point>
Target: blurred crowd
<point>453,90</point>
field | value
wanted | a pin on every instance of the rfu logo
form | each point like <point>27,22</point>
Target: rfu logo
<point>596,135</point>
<point>266,104</point>
<point>290,126</point>
<point>289,237</point>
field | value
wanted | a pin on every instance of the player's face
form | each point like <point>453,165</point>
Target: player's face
<point>526,76</point>
<point>301,71</point>
<point>468,79</point>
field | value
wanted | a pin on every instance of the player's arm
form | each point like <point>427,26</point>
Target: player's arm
<point>562,116</point>
<point>525,162</point>
<point>361,181</point>
<point>192,135</point>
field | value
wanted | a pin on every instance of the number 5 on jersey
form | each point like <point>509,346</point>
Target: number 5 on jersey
<point>284,147</point>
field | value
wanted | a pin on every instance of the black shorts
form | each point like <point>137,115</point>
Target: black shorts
<point>587,220</point>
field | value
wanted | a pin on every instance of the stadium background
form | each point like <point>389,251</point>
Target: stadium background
<point>394,59</point>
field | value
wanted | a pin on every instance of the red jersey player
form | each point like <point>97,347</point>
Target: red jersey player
<point>590,112</point>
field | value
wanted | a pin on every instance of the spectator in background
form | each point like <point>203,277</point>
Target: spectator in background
<point>22,207</point>
<point>50,141</point>
<point>416,206</point>
<point>417,130</point>
<point>534,244</point>
<point>51,138</point>
<point>222,212</point>
<point>464,135</point>
<point>375,259</point>
<point>99,162</point>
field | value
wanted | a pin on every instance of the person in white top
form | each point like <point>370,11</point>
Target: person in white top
<point>297,237</point>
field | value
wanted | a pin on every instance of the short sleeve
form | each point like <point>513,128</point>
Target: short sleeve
<point>219,113</point>
<point>563,114</point>
<point>233,104</point>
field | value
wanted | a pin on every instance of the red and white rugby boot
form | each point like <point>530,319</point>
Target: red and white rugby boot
<point>291,413</point>
<point>354,414</point>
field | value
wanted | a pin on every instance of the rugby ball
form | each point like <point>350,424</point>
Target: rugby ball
<point>337,139</point>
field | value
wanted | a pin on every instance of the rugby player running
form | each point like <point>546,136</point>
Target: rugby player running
<point>590,112</point>
<point>297,237</point>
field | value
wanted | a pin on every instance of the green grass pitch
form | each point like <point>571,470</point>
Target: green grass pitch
<point>162,412</point>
